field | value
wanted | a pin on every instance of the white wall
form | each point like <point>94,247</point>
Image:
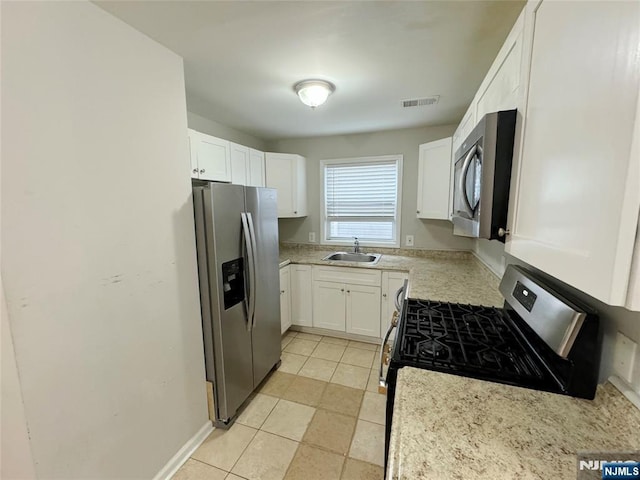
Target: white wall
<point>613,319</point>
<point>491,252</point>
<point>205,125</point>
<point>429,234</point>
<point>98,248</point>
<point>16,460</point>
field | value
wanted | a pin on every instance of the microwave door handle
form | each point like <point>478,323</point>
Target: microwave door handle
<point>462,183</point>
<point>249,292</point>
<point>254,284</point>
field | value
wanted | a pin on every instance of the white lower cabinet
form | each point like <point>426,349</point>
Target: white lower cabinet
<point>363,310</point>
<point>391,283</point>
<point>301,295</point>
<point>347,299</point>
<point>329,305</point>
<point>285,299</point>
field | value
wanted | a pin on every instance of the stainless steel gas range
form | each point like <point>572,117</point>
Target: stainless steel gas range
<point>540,340</point>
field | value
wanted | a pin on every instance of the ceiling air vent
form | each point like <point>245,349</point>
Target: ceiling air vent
<point>420,102</point>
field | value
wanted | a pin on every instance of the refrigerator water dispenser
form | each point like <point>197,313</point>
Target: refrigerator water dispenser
<point>233,282</point>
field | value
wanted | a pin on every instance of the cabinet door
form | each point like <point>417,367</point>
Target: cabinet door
<point>363,310</point>
<point>280,174</point>
<point>434,179</point>
<point>193,153</point>
<point>391,283</point>
<point>285,299</point>
<point>214,159</point>
<point>501,90</point>
<point>329,305</point>
<point>301,304</point>
<point>577,207</point>
<point>256,168</point>
<point>288,175</point>
<point>239,164</point>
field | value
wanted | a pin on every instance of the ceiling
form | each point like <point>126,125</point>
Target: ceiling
<point>242,59</point>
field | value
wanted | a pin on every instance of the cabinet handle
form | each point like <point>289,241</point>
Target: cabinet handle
<point>195,170</point>
<point>418,211</point>
<point>342,289</point>
<point>384,295</point>
<point>202,171</point>
<point>296,212</point>
<point>348,291</point>
<point>281,291</point>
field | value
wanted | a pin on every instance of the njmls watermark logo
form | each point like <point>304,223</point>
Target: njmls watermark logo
<point>609,466</point>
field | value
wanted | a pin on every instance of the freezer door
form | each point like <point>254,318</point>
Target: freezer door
<point>227,339</point>
<point>262,209</point>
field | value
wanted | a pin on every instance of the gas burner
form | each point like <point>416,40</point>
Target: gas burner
<point>433,349</point>
<point>489,356</point>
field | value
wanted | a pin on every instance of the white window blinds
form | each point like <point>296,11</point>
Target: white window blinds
<point>361,200</point>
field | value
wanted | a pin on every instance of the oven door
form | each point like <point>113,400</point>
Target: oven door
<point>467,190</point>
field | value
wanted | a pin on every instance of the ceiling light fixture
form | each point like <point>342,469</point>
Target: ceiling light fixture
<point>314,92</point>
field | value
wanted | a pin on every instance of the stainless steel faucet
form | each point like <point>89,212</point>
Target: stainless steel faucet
<point>356,245</point>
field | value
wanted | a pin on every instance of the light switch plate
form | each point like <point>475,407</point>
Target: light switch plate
<point>409,241</point>
<point>312,237</point>
<point>624,353</point>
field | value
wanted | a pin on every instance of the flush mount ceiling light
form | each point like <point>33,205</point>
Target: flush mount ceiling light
<point>314,92</point>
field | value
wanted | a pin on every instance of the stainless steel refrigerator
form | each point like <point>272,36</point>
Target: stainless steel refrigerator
<point>237,243</point>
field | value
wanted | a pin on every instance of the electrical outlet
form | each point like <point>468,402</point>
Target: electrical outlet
<point>624,353</point>
<point>312,237</point>
<point>409,241</point>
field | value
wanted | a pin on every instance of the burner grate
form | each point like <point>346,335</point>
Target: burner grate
<point>461,338</point>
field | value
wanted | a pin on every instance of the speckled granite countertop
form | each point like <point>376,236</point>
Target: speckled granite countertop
<point>435,275</point>
<point>451,427</point>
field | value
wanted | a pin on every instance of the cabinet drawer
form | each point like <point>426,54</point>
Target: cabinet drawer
<point>356,276</point>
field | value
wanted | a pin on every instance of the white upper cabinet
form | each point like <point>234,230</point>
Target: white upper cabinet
<point>247,166</point>
<point>210,157</point>
<point>239,163</point>
<point>578,195</point>
<point>256,174</point>
<point>287,173</point>
<point>501,87</point>
<point>464,128</point>
<point>434,180</point>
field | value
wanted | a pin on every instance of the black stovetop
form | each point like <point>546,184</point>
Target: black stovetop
<point>467,340</point>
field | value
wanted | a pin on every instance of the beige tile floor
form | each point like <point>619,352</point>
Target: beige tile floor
<point>319,417</point>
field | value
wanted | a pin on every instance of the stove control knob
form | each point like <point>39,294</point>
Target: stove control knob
<point>503,232</point>
<point>386,348</point>
<point>385,358</point>
<point>382,387</point>
<point>394,319</point>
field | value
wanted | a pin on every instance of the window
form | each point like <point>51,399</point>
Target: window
<point>361,198</point>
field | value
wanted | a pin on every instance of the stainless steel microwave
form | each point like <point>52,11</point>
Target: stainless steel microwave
<point>482,177</point>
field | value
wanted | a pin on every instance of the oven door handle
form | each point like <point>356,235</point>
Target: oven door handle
<point>384,350</point>
<point>384,354</point>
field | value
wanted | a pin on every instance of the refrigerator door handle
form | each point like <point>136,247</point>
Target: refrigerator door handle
<point>253,285</point>
<point>249,245</point>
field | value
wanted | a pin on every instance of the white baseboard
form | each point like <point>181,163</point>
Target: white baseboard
<point>184,453</point>
<point>626,390</point>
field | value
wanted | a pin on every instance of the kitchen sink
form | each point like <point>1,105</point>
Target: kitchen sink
<point>354,257</point>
